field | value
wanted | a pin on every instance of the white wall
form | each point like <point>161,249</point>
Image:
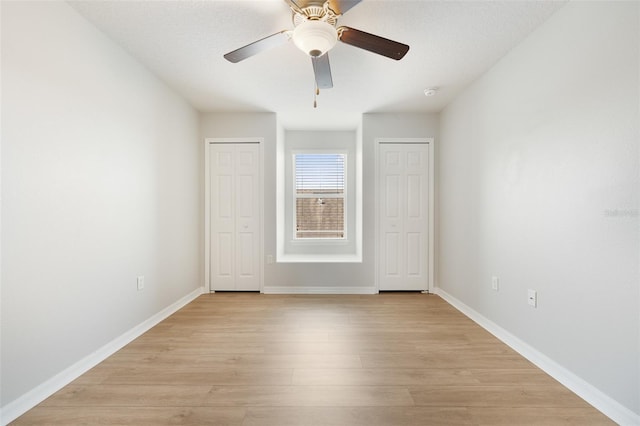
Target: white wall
<point>357,276</point>
<point>331,251</point>
<point>539,164</point>
<point>319,277</point>
<point>100,184</point>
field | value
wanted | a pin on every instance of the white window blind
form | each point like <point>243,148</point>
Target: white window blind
<point>319,195</point>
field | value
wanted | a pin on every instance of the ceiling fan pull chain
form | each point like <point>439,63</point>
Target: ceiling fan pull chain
<point>315,97</point>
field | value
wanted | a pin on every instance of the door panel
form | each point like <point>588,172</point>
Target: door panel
<point>403,173</point>
<point>235,219</point>
<point>414,254</point>
<point>414,198</point>
<point>245,196</point>
<point>391,258</point>
<point>224,202</point>
<point>224,261</point>
<point>245,255</point>
<point>392,187</point>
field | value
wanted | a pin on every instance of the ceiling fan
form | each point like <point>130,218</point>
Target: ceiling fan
<point>315,33</point>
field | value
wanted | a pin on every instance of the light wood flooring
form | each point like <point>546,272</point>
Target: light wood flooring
<point>249,359</point>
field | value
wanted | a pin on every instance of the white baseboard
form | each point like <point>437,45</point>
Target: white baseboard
<point>18,407</point>
<point>320,290</point>
<point>604,403</point>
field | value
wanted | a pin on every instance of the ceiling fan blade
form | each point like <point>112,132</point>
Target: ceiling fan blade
<point>373,43</point>
<point>340,7</point>
<point>258,46</point>
<point>322,71</point>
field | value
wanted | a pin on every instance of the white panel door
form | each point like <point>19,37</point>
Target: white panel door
<point>403,190</point>
<point>235,216</point>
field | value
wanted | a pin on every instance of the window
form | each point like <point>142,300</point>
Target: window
<point>319,196</point>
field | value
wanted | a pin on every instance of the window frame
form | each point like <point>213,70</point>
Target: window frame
<point>348,250</point>
<point>344,196</point>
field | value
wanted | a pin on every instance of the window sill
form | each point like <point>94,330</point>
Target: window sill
<point>319,258</point>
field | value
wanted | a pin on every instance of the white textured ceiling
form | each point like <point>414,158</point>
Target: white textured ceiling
<point>452,43</point>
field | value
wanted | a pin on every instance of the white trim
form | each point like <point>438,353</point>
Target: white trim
<point>207,205</point>
<point>18,407</point>
<point>207,217</point>
<point>346,176</point>
<point>431,225</point>
<point>319,290</point>
<point>604,403</point>
<point>320,258</point>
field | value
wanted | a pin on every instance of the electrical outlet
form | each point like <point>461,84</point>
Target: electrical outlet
<point>269,259</point>
<point>532,298</point>
<point>494,283</point>
<point>140,282</point>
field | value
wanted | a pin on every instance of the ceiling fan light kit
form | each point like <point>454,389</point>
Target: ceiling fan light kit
<point>315,38</point>
<point>315,33</point>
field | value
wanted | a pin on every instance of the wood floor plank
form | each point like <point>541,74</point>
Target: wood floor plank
<point>357,416</point>
<point>383,377</point>
<point>304,396</point>
<point>354,347</point>
<point>133,416</point>
<point>538,416</point>
<point>431,360</point>
<point>129,396</point>
<point>192,346</point>
<point>506,376</point>
<point>201,376</point>
<point>283,360</point>
<point>349,360</point>
<point>168,360</point>
<point>507,396</point>
<point>258,337</point>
